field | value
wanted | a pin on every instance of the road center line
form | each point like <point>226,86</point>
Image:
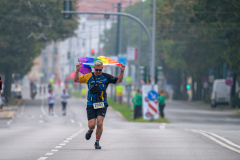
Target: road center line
<point>72,120</point>
<point>9,122</point>
<point>62,144</point>
<point>42,158</point>
<point>23,108</point>
<point>162,126</point>
<point>49,154</point>
<point>58,147</point>
<point>42,109</point>
<point>224,139</point>
<point>80,124</point>
<point>217,141</point>
<point>54,150</point>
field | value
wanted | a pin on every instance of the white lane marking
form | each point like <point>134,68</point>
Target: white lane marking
<point>9,122</point>
<point>72,120</point>
<point>80,124</point>
<point>69,138</point>
<point>62,144</point>
<point>42,158</point>
<point>65,141</point>
<point>40,121</point>
<point>49,154</point>
<point>22,110</point>
<point>33,116</point>
<point>162,126</point>
<point>224,139</point>
<point>42,109</point>
<point>217,141</point>
<point>54,150</point>
<point>58,147</point>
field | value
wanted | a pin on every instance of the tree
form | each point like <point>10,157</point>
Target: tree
<point>19,21</point>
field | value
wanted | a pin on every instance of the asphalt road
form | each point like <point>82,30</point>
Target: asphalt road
<point>195,132</point>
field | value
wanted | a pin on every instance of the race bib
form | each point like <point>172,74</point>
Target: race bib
<point>98,105</point>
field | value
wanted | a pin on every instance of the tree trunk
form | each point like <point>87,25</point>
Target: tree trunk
<point>193,89</point>
<point>7,83</point>
<point>199,89</point>
<point>177,89</point>
<point>184,81</point>
<point>233,101</point>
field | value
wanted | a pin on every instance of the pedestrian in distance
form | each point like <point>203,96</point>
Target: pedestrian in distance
<point>51,101</point>
<point>161,101</point>
<point>97,83</point>
<point>137,101</point>
<point>64,97</point>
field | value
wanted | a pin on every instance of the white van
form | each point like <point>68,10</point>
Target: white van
<point>220,92</point>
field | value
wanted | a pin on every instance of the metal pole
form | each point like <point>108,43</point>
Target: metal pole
<point>139,48</point>
<point>118,29</point>
<point>118,14</point>
<point>153,44</point>
<point>99,29</point>
<point>130,25</point>
<point>90,39</point>
<point>112,30</point>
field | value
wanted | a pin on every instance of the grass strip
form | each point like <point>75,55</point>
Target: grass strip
<point>128,114</point>
<point>76,94</point>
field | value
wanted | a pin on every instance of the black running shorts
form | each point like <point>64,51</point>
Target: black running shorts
<point>93,113</point>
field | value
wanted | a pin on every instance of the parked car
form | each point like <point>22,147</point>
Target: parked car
<point>220,93</point>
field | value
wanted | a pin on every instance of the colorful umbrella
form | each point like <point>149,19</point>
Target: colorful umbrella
<point>88,63</point>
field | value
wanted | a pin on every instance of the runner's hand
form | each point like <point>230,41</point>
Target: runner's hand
<point>122,67</point>
<point>78,66</point>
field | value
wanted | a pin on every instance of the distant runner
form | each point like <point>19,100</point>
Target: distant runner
<point>97,83</point>
<point>64,97</point>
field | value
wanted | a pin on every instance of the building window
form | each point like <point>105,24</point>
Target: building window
<point>83,42</point>
<point>83,26</point>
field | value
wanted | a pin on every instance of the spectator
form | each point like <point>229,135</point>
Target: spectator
<point>161,101</point>
<point>137,102</point>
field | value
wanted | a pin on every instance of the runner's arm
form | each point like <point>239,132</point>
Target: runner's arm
<point>76,76</point>
<point>120,77</point>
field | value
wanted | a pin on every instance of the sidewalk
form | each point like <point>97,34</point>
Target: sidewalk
<point>8,112</point>
<point>6,115</point>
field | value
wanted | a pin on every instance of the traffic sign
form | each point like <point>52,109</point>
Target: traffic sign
<point>152,95</point>
<point>228,82</point>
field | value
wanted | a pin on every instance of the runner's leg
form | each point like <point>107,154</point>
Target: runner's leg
<point>92,123</point>
<point>99,126</point>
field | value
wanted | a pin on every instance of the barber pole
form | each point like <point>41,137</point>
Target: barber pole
<point>150,103</point>
<point>152,107</point>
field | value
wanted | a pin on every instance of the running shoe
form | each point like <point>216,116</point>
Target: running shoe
<point>88,134</point>
<point>96,145</point>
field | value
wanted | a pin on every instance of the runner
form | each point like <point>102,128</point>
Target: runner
<point>64,102</point>
<point>97,98</point>
<point>51,101</point>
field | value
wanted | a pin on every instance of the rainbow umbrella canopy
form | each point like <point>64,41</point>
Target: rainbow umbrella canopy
<point>88,63</point>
